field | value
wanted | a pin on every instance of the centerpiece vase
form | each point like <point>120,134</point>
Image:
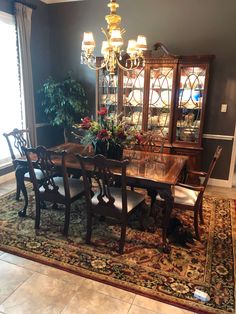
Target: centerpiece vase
<point>115,151</point>
<point>100,148</point>
<point>111,150</point>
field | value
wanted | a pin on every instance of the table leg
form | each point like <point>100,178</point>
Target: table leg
<point>165,194</point>
<point>20,173</point>
<point>169,202</point>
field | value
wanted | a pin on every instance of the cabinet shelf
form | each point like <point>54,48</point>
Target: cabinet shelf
<point>187,127</point>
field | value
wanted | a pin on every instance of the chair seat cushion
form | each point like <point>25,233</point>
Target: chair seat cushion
<point>38,173</point>
<point>76,186</point>
<point>183,196</point>
<point>133,199</point>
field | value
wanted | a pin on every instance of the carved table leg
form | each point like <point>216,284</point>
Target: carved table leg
<point>152,193</point>
<point>20,173</point>
<point>166,194</point>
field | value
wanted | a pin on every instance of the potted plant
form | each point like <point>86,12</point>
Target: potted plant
<point>64,102</point>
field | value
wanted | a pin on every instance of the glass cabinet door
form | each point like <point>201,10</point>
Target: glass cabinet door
<point>107,91</point>
<point>190,103</point>
<point>160,100</point>
<point>133,89</point>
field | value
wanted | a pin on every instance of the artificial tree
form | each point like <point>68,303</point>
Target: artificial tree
<point>64,102</point>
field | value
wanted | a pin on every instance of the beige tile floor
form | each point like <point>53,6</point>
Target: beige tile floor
<point>27,287</point>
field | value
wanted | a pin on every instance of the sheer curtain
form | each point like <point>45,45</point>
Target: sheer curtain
<point>23,22</point>
<point>11,111</point>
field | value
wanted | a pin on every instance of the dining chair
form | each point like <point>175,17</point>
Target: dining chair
<point>103,198</point>
<point>17,139</point>
<point>152,142</point>
<point>190,197</point>
<point>55,185</point>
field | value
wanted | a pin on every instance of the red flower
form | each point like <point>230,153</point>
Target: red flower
<point>102,111</point>
<point>103,135</point>
<point>138,138</point>
<point>121,135</point>
<point>86,123</point>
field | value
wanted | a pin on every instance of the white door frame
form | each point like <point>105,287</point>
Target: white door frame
<point>233,160</point>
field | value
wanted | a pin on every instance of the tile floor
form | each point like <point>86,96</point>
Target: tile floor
<point>27,287</point>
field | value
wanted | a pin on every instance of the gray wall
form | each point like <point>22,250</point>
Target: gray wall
<point>186,27</point>
<point>6,6</point>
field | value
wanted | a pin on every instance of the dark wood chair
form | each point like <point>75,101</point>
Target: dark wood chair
<point>16,140</point>
<point>55,185</point>
<point>152,142</point>
<point>103,197</point>
<point>190,196</point>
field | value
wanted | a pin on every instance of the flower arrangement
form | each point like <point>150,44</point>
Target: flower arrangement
<point>108,134</point>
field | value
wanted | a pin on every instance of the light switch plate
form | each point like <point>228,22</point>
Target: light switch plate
<point>224,107</point>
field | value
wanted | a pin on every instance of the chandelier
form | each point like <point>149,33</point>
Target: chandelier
<point>112,47</point>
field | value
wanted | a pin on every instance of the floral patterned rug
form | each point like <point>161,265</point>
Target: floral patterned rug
<point>143,268</point>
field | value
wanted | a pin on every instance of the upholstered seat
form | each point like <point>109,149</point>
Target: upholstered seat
<point>38,174</point>
<point>76,186</point>
<point>183,195</point>
<point>133,199</point>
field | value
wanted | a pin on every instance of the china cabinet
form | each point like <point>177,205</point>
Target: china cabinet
<point>165,97</point>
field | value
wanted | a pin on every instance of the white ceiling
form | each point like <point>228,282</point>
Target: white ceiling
<point>58,1</point>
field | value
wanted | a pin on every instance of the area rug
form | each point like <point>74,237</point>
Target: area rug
<point>143,268</point>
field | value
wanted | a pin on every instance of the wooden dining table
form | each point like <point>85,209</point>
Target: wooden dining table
<point>155,172</point>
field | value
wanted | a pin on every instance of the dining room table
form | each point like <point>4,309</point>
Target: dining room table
<point>155,172</point>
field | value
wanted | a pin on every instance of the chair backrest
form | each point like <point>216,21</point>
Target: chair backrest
<point>16,140</point>
<point>51,164</point>
<point>99,175</point>
<point>152,142</point>
<point>212,164</point>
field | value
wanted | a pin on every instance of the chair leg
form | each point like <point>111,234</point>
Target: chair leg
<point>67,220</point>
<point>201,214</point>
<point>19,173</point>
<point>122,238</point>
<point>196,212</point>
<point>37,217</point>
<point>17,191</point>
<point>89,227</point>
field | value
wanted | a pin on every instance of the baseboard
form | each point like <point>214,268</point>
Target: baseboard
<point>219,182</point>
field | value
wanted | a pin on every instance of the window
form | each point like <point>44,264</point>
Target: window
<point>11,113</point>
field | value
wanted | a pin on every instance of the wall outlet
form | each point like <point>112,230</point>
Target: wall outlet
<point>224,107</point>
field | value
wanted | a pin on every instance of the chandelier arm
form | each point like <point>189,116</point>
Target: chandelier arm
<point>105,33</point>
<point>128,69</point>
<point>92,67</point>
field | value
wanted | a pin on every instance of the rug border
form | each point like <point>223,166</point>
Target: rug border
<point>90,275</point>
